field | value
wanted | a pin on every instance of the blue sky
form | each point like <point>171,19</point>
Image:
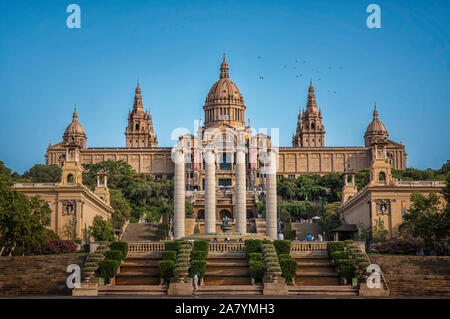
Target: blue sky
<point>175,48</point>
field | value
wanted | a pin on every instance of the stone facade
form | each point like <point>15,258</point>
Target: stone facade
<point>383,199</point>
<point>224,108</point>
<point>71,202</point>
<point>225,134</point>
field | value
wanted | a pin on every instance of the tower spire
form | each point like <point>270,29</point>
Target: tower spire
<point>138,98</point>
<point>311,103</point>
<point>75,113</point>
<point>375,112</point>
<point>224,68</point>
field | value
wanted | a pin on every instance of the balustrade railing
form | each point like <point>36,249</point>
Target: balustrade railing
<point>299,247</point>
<point>226,247</point>
<point>145,247</point>
<point>296,247</point>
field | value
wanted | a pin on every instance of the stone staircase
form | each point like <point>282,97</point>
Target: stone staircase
<point>138,271</point>
<point>416,275</point>
<point>316,275</point>
<point>138,275</point>
<point>315,271</point>
<point>140,232</point>
<point>260,224</point>
<point>226,271</point>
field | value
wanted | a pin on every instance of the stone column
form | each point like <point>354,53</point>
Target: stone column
<point>241,198</point>
<point>210,192</point>
<point>179,196</point>
<point>271,196</point>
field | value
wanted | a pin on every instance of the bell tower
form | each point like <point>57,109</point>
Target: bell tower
<point>139,132</point>
<point>310,130</point>
<point>72,170</point>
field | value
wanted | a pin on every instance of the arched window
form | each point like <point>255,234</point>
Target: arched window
<point>137,127</point>
<point>313,126</point>
<point>382,178</point>
<point>70,179</point>
<point>225,213</point>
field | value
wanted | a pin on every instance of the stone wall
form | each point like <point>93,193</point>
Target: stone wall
<point>416,275</point>
<point>35,275</point>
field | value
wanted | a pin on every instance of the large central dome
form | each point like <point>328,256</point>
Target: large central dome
<point>224,103</point>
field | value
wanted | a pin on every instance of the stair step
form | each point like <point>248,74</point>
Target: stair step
<point>150,290</point>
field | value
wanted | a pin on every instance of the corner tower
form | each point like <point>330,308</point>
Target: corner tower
<point>139,132</point>
<point>310,130</point>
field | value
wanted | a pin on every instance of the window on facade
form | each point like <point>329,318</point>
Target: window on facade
<point>382,178</point>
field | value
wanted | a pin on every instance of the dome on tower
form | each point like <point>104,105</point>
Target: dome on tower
<point>376,131</point>
<point>74,131</point>
<point>224,91</point>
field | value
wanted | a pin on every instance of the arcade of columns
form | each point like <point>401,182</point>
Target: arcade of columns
<point>210,192</point>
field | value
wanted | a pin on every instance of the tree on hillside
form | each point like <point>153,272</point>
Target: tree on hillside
<point>22,220</point>
<point>426,220</point>
<point>43,174</point>
<point>330,218</point>
<point>101,230</point>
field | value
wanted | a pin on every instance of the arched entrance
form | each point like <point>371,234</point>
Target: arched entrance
<point>225,212</point>
<point>201,214</point>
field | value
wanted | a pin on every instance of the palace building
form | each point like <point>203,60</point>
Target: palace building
<point>227,169</point>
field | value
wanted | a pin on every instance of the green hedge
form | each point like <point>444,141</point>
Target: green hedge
<point>201,245</point>
<point>198,266</point>
<point>253,246</point>
<point>282,246</point>
<point>122,246</point>
<point>108,268</point>
<point>257,270</point>
<point>114,254</point>
<point>340,255</point>
<point>346,268</point>
<point>199,255</point>
<point>288,269</point>
<point>284,256</point>
<point>255,257</point>
<point>172,245</point>
<point>334,246</point>
<point>169,255</point>
<point>166,269</point>
<point>348,242</point>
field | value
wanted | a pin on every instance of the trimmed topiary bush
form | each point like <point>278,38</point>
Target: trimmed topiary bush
<point>166,269</point>
<point>199,255</point>
<point>348,242</point>
<point>114,254</point>
<point>288,269</point>
<point>256,270</point>
<point>270,259</point>
<point>346,268</point>
<point>108,268</point>
<point>339,255</point>
<point>284,256</point>
<point>282,246</point>
<point>335,246</point>
<point>253,246</point>
<point>201,245</point>
<point>122,246</point>
<point>169,255</point>
<point>255,257</point>
<point>198,266</point>
<point>172,245</point>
